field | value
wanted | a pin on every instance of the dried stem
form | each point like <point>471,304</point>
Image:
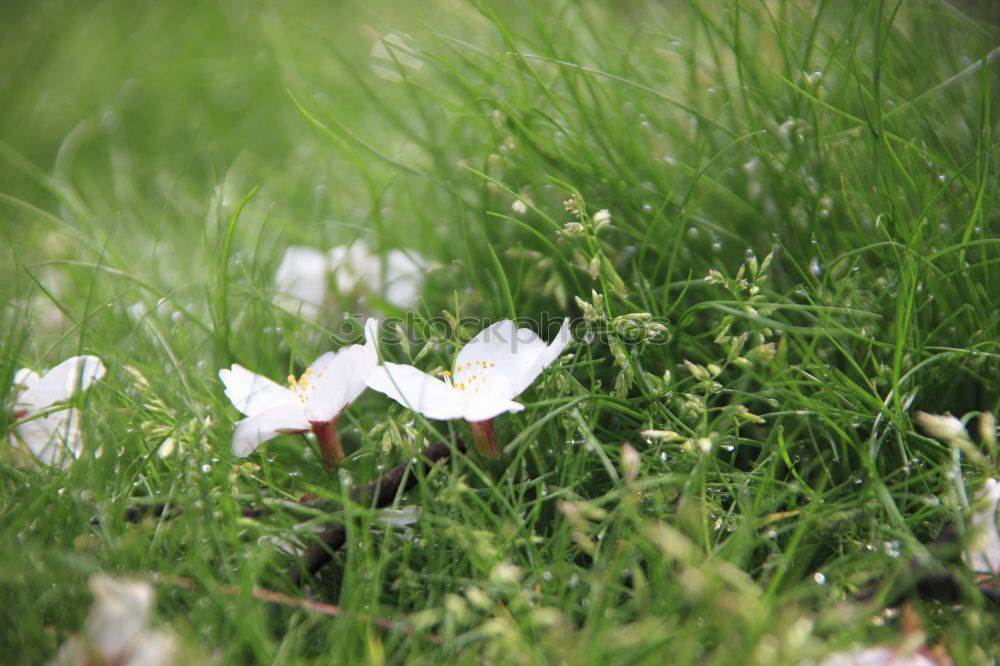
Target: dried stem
<point>378,493</point>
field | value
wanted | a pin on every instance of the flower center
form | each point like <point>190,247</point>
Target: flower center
<point>303,386</point>
<point>472,376</point>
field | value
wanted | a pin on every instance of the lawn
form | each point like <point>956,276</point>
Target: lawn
<point>772,225</point>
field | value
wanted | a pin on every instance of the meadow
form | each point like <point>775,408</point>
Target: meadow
<point>772,225</point>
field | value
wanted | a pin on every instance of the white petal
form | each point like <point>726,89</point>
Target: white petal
<point>254,430</point>
<point>55,439</point>
<point>355,265</point>
<point>404,276</point>
<point>252,393</point>
<point>487,363</point>
<point>532,364</point>
<point>62,382</point>
<point>118,616</point>
<point>321,363</point>
<point>339,383</point>
<point>417,390</point>
<point>984,546</point>
<point>301,280</point>
<point>25,378</point>
<point>371,337</point>
<point>484,407</point>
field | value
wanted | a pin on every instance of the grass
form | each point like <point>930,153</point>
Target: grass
<point>166,156</point>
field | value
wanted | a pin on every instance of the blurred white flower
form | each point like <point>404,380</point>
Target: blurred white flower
<point>54,437</point>
<point>983,553</point>
<point>490,371</point>
<point>301,280</point>
<point>944,427</point>
<point>303,276</point>
<point>880,656</point>
<point>356,270</point>
<point>115,631</point>
<point>313,401</point>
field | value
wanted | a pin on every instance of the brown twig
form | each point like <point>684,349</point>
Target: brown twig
<point>377,493</point>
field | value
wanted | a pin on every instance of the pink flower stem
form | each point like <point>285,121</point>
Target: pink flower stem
<point>485,438</point>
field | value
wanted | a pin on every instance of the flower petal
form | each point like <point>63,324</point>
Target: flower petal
<point>532,364</point>
<point>25,378</point>
<point>252,393</point>
<point>355,265</point>
<point>62,382</point>
<point>254,430</point>
<point>300,280</point>
<point>487,363</point>
<point>55,439</point>
<point>485,407</point>
<point>339,383</point>
<point>403,278</point>
<point>983,554</point>
<point>417,390</point>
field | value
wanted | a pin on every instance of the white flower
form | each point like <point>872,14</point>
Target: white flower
<point>311,402</point>
<point>301,280</point>
<point>302,277</point>
<point>397,279</point>
<point>942,426</point>
<point>115,631</point>
<point>880,656</point>
<point>490,371</point>
<point>53,437</point>
<point>983,555</point>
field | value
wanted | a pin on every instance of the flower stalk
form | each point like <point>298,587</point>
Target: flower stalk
<point>329,442</point>
<point>485,438</point>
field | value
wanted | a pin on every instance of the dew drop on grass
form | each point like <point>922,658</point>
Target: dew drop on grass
<point>772,535</point>
<point>663,456</point>
<point>717,246</point>
<point>820,578</point>
<point>206,468</point>
<point>814,267</point>
<point>647,208</point>
<point>692,233</point>
<point>546,576</point>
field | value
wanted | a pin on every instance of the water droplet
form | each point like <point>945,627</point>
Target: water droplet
<point>206,468</point>
<point>814,267</point>
<point>692,233</point>
<point>820,578</point>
